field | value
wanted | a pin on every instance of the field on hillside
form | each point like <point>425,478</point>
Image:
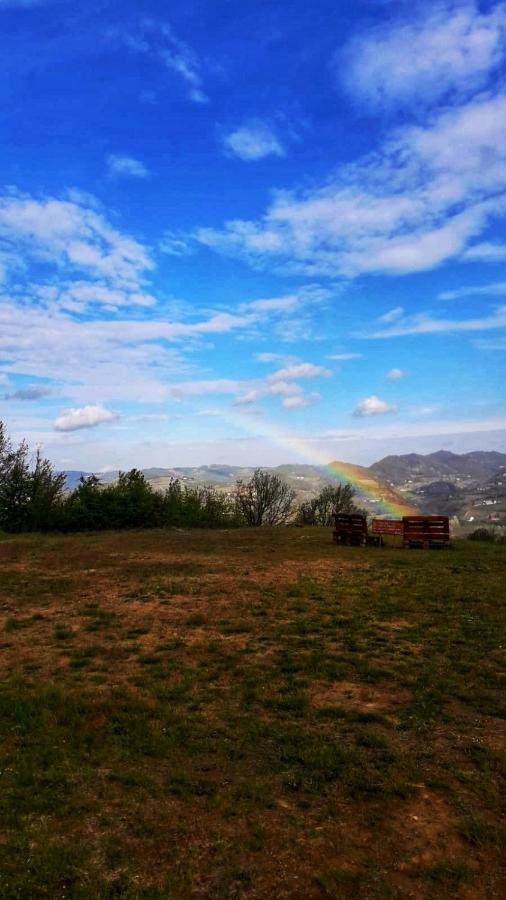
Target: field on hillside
<point>249,714</point>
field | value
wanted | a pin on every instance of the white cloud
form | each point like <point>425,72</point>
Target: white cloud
<point>126,166</point>
<point>157,40</point>
<point>451,49</point>
<point>246,399</point>
<point>284,388</point>
<point>342,357</point>
<point>392,314</point>
<point>84,417</point>
<point>174,243</point>
<point>497,289</point>
<point>493,344</point>
<point>273,357</point>
<point>299,400</point>
<point>373,406</point>
<point>299,370</point>
<point>274,304</point>
<point>72,234</point>
<point>211,386</point>
<point>411,206</point>
<point>486,252</point>
<point>425,324</point>
<point>252,141</point>
<point>32,392</point>
<point>395,374</point>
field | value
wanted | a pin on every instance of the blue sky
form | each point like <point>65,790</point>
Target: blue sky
<point>232,230</point>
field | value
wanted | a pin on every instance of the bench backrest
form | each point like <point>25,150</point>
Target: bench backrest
<point>353,523</point>
<point>387,526</point>
<point>426,528</point>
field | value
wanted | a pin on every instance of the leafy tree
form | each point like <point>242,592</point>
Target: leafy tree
<point>264,500</point>
<point>46,494</point>
<point>29,494</point>
<point>331,499</point>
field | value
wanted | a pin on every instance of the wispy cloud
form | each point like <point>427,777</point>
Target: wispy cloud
<point>392,315</point>
<point>395,374</point>
<point>174,243</point>
<point>252,141</point>
<point>373,406</point>
<point>158,41</point>
<point>425,324</point>
<point>299,370</point>
<point>413,205</point>
<point>32,392</point>
<point>491,344</point>
<point>121,166</point>
<point>449,49</point>
<point>247,399</point>
<point>84,417</point>
<point>343,357</point>
<point>486,252</point>
<point>497,289</point>
<point>299,400</point>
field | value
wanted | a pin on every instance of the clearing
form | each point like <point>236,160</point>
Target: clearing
<point>249,714</point>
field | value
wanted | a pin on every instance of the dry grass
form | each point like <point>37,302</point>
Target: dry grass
<point>249,715</point>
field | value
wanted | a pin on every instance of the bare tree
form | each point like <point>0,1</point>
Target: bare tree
<point>264,500</point>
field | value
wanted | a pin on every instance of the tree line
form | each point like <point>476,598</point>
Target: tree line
<point>33,497</point>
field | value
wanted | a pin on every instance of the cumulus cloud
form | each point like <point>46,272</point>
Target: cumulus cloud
<point>284,388</point>
<point>419,201</point>
<point>252,141</point>
<point>450,49</point>
<point>84,417</point>
<point>126,166</point>
<point>373,406</point>
<point>395,374</point>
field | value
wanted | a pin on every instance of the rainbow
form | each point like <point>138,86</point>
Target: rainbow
<point>384,500</point>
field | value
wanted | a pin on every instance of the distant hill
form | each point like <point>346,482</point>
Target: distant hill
<point>440,466</point>
<point>467,485</point>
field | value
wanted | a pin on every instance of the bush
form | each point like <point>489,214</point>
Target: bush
<point>32,498</point>
<point>481,534</point>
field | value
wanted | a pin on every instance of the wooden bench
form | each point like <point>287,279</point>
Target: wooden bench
<point>387,526</point>
<point>428,532</point>
<point>350,528</point>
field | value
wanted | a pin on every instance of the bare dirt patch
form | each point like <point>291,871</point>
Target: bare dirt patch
<point>358,696</point>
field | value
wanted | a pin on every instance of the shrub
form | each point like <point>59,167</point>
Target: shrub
<point>481,534</point>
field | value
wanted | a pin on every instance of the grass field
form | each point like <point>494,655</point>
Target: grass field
<point>254,714</point>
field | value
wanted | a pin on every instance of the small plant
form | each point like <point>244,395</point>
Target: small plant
<point>481,534</point>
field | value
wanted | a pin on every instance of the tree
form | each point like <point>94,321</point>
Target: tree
<point>29,494</point>
<point>46,494</point>
<point>331,499</point>
<point>264,500</point>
